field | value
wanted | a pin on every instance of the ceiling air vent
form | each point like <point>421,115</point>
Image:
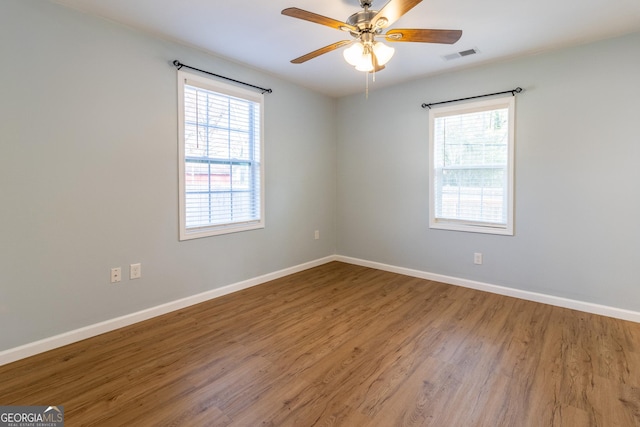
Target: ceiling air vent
<point>460,54</point>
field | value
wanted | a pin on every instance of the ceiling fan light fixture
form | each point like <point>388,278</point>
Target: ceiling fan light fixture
<point>359,55</point>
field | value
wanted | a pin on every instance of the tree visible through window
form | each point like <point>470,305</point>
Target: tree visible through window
<point>220,148</point>
<point>471,149</point>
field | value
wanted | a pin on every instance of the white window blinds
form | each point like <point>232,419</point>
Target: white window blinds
<point>472,166</point>
<point>221,150</point>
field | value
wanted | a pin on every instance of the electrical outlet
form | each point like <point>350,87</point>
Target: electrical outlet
<point>316,235</point>
<point>477,258</point>
<point>116,274</point>
<point>135,271</point>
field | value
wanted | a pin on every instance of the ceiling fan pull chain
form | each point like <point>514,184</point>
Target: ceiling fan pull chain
<point>366,92</point>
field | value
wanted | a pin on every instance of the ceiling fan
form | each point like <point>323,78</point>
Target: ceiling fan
<point>365,53</point>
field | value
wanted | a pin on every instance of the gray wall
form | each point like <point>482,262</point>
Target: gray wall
<point>577,210</point>
<point>88,175</point>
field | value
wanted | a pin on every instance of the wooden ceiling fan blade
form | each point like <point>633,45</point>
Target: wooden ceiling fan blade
<point>392,11</point>
<point>321,51</point>
<point>423,35</point>
<point>294,12</point>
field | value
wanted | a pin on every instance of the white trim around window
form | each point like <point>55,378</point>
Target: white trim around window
<point>471,172</point>
<point>221,152</point>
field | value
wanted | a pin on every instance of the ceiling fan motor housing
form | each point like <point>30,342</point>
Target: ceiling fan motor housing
<point>362,21</point>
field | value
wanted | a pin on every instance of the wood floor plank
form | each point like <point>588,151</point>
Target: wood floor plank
<point>344,345</point>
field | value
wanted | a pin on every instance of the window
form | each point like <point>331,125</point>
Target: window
<point>471,149</point>
<point>221,169</point>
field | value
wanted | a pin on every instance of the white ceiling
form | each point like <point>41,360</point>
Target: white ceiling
<point>254,32</point>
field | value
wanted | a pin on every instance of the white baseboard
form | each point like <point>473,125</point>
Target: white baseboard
<point>17,353</point>
<point>586,307</point>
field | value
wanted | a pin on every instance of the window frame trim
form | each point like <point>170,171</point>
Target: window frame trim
<point>206,83</point>
<point>507,229</point>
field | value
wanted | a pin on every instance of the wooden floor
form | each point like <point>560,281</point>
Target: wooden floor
<point>351,346</point>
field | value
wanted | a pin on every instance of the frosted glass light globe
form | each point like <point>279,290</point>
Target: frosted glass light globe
<point>383,52</point>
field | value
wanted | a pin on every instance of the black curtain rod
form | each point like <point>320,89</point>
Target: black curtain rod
<point>512,92</point>
<point>179,65</point>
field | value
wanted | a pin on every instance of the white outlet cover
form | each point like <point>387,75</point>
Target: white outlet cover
<point>135,271</point>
